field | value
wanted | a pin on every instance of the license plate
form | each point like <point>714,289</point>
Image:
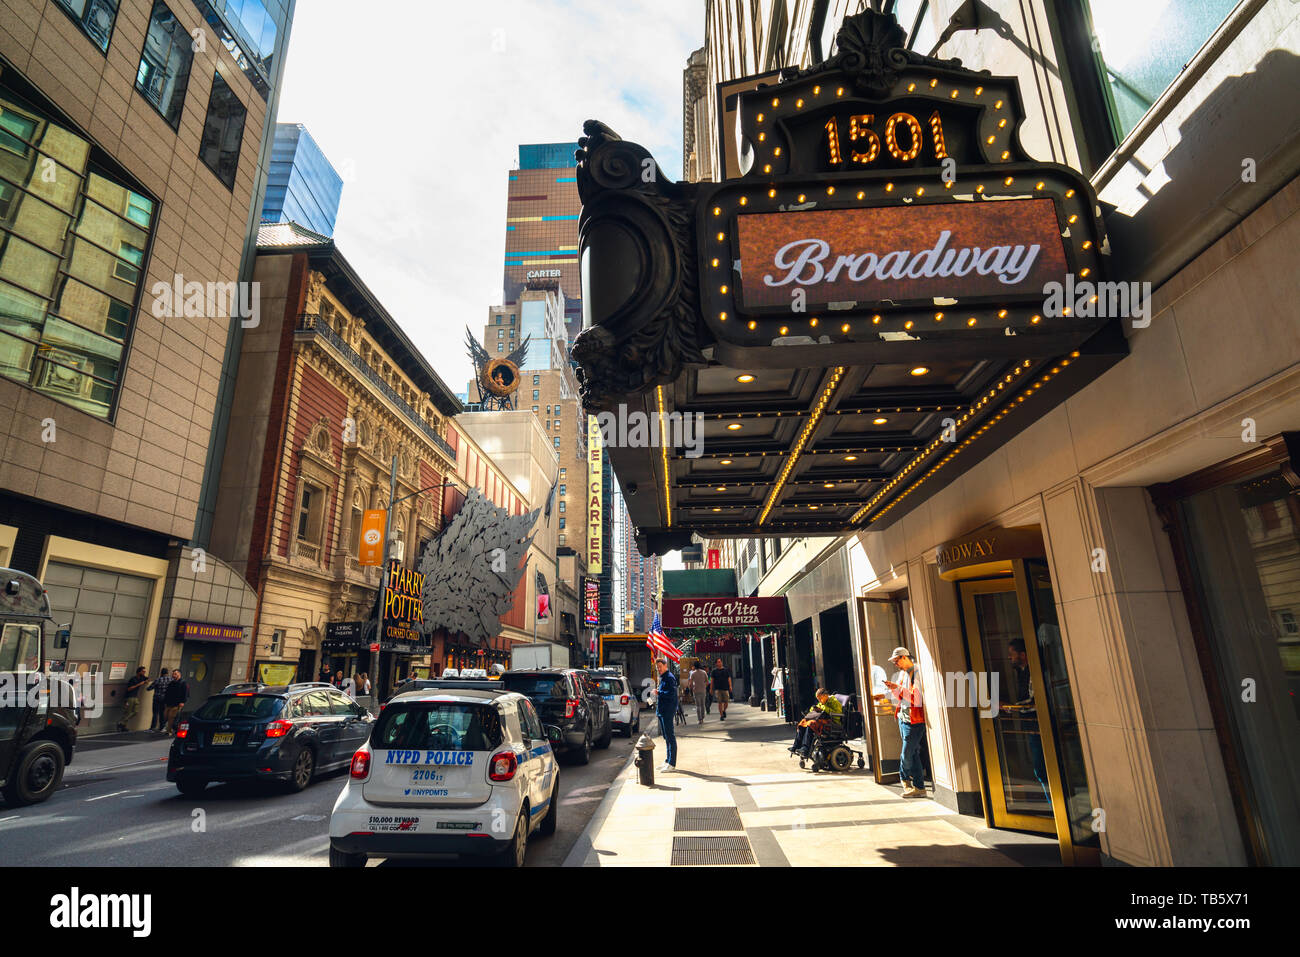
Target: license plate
<point>224,737</point>
<point>610,697</point>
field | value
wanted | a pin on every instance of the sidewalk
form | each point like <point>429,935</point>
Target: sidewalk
<point>779,814</point>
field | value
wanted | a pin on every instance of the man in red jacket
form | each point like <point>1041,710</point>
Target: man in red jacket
<point>911,721</point>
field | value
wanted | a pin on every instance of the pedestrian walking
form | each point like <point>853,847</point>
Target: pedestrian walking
<point>911,722</point>
<point>159,688</point>
<point>666,708</point>
<point>721,678</point>
<point>337,680</point>
<point>131,698</point>
<point>363,683</point>
<point>699,682</point>
<point>174,698</point>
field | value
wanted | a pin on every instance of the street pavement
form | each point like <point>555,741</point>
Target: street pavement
<point>782,815</point>
<point>116,809</point>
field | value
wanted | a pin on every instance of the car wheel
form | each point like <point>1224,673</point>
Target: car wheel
<point>517,849</point>
<point>547,827</point>
<point>607,737</point>
<point>37,775</point>
<point>190,785</point>
<point>583,754</point>
<point>343,859</point>
<point>636,725</point>
<point>303,769</point>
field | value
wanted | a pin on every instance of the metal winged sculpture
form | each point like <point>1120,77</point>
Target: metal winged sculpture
<point>472,568</point>
<point>498,379</point>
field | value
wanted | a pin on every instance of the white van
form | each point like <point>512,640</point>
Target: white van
<point>463,772</point>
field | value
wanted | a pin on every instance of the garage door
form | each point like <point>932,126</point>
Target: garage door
<point>108,612</point>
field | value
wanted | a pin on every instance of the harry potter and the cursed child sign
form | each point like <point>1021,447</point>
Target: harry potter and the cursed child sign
<point>887,233</point>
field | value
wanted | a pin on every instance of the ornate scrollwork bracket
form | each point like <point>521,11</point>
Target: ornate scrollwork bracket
<point>637,237</point>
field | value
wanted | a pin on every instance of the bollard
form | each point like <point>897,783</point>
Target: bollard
<point>645,760</point>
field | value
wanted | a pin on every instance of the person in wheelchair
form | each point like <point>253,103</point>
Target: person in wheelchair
<point>823,718</point>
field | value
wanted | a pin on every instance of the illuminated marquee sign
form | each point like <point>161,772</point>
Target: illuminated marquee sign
<point>595,511</point>
<point>894,254</point>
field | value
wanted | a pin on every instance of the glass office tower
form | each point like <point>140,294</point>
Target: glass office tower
<point>303,187</point>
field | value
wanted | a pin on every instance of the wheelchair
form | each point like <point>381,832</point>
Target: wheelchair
<point>830,750</point>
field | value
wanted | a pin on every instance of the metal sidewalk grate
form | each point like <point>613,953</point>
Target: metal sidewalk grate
<point>711,851</point>
<point>707,819</point>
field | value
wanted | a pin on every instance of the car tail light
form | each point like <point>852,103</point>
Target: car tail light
<point>623,700</point>
<point>183,730</point>
<point>570,706</point>
<point>278,728</point>
<point>243,694</point>
<point>360,769</point>
<point>503,765</point>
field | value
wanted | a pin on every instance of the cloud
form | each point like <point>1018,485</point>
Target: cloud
<point>422,106</point>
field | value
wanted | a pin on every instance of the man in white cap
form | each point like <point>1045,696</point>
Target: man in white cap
<point>911,721</point>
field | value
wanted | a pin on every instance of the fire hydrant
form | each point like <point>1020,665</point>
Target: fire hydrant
<point>645,760</point>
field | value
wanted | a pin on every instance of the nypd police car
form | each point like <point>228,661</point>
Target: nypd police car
<point>448,771</point>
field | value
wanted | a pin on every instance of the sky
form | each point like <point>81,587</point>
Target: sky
<point>421,106</point>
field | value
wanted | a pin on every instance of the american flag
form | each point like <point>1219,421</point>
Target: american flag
<point>659,643</point>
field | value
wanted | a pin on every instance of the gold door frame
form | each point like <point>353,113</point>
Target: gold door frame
<point>1018,582</point>
<point>869,712</point>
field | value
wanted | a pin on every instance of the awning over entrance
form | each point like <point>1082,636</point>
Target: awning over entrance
<point>889,292</point>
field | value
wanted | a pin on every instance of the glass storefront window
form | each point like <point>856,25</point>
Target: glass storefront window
<point>72,254</point>
<point>1142,47</point>
<point>1242,544</point>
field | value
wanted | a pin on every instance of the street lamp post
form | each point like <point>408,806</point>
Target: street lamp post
<point>388,521</point>
<point>383,582</point>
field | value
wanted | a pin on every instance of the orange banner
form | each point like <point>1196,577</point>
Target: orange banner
<point>371,543</point>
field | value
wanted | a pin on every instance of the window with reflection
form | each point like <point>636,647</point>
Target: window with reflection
<point>72,257</point>
<point>165,64</point>
<point>1241,541</point>
<point>95,17</point>
<point>223,132</point>
<point>1142,47</point>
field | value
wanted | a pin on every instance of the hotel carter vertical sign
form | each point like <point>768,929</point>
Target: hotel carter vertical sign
<point>595,509</point>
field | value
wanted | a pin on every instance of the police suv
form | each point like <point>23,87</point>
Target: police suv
<point>463,771</point>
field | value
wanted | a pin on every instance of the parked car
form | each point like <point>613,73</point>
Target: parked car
<point>449,771</point>
<point>566,698</point>
<point>286,733</point>
<point>624,707</point>
<point>423,684</point>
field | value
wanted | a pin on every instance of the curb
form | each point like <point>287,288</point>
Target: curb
<point>577,855</point>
